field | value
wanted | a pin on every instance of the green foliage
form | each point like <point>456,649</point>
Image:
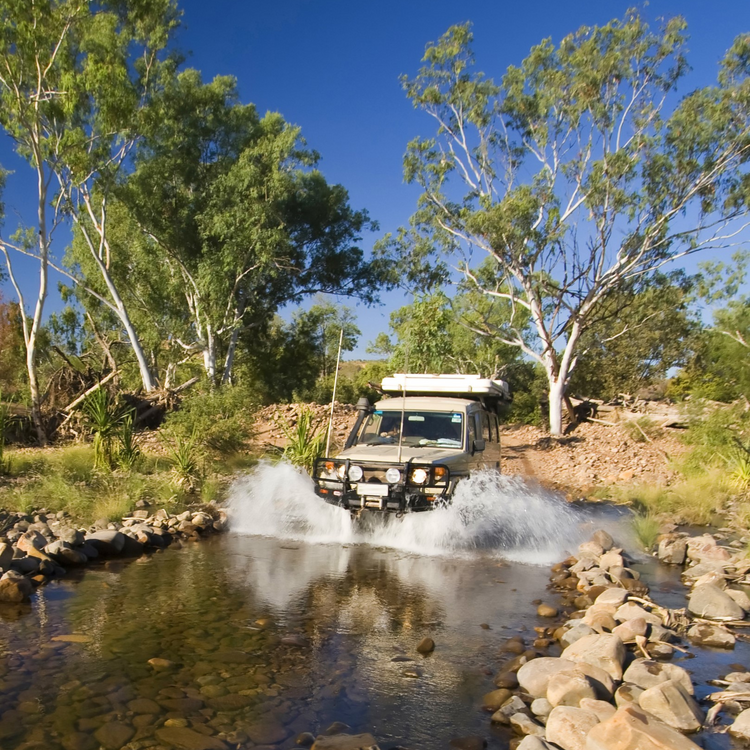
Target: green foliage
<point>639,338</point>
<point>105,418</point>
<point>646,527</point>
<point>184,456</point>
<point>129,452</point>
<point>221,419</point>
<point>560,229</point>
<point>12,352</point>
<point>306,439</point>
<point>713,435</point>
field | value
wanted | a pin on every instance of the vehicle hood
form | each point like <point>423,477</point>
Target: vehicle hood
<point>389,454</point>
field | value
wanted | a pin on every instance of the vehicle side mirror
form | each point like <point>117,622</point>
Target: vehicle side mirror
<point>479,445</point>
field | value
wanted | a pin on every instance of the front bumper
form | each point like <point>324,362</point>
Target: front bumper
<point>335,487</point>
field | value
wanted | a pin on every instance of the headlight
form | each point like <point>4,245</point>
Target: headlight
<point>355,473</point>
<point>419,476</point>
<point>393,476</point>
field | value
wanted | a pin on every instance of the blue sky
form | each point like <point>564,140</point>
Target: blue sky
<point>332,67</point>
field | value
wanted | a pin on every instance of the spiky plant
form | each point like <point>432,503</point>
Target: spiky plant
<point>305,442</point>
<point>646,527</point>
<point>128,451</point>
<point>184,455</point>
<point>104,418</point>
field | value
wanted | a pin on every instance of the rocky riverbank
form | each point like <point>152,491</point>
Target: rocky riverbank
<point>600,677</point>
<point>37,547</point>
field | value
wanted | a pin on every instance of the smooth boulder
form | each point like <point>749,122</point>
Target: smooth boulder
<point>632,729</point>
<point>568,727</point>
<point>605,651</point>
<point>671,703</point>
<point>709,601</point>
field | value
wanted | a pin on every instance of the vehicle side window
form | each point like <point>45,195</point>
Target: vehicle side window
<point>495,426</point>
<point>472,429</point>
<point>487,432</point>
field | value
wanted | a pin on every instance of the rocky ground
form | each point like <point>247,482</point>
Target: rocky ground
<point>36,547</point>
<point>590,456</point>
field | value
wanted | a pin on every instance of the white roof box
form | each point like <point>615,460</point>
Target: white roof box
<point>460,386</point>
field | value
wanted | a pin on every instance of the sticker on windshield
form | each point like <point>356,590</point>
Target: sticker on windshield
<point>378,413</point>
<point>456,418</point>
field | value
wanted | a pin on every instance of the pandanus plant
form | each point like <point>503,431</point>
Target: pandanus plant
<point>105,419</point>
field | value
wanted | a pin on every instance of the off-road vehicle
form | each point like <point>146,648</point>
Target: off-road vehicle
<point>408,451</point>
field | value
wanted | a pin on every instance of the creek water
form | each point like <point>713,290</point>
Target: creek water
<point>297,619</point>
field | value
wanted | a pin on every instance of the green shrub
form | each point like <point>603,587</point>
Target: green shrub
<point>646,527</point>
<point>306,440</point>
<point>184,456</point>
<point>104,417</point>
<point>222,419</point>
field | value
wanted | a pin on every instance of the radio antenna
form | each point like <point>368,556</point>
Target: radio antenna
<point>333,396</point>
<point>403,402</point>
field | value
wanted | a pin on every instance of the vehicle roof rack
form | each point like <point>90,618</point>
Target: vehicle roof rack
<point>458,386</point>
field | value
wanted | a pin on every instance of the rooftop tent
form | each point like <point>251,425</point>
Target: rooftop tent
<point>458,386</point>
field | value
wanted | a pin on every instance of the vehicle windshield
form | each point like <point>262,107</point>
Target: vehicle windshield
<point>421,428</point>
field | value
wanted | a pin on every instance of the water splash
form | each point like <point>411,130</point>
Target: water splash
<point>490,513</point>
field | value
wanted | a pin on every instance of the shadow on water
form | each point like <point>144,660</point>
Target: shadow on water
<point>301,620</point>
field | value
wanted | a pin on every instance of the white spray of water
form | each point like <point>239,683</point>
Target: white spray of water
<point>490,513</point>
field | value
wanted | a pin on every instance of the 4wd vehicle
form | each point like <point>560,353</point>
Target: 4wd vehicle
<point>408,452</point>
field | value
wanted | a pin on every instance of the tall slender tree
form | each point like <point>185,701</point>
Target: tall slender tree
<point>571,178</point>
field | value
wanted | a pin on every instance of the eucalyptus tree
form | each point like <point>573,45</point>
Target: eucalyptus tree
<point>75,77</point>
<point>238,217</point>
<point>571,178</point>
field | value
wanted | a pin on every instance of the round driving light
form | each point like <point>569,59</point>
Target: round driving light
<point>341,471</point>
<point>392,476</point>
<point>419,476</point>
<point>355,473</point>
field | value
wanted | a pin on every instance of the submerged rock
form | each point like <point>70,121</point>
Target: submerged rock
<point>705,634</point>
<point>14,588</point>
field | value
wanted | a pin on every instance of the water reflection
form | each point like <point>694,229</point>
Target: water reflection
<point>260,640</point>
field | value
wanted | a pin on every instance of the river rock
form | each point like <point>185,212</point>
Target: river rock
<point>709,601</point>
<point>547,610</point>
<point>64,553</point>
<point>6,556</point>
<point>73,537</point>
<point>107,542</point>
<point>534,743</point>
<point>569,687</point>
<point>590,550</point>
<point>114,734</point>
<point>632,729</point>
<point>703,548</point>
<point>704,634</point>
<point>672,551</point>
<point>495,700</point>
<point>628,695</point>
<point>740,597</point>
<point>605,651</point>
<point>633,611</point>
<point>602,709</point>
<point>188,739</point>
<point>741,726</point>
<point>541,707</point>
<point>513,706</point>
<point>672,704</point>
<point>646,673</point>
<point>603,539</point>
<point>524,724</point>
<point>614,596</point>
<point>534,676</point>
<point>631,629</point>
<point>571,635</point>
<point>611,560</point>
<point>31,542</point>
<point>567,727</point>
<point>14,588</point>
<point>426,646</point>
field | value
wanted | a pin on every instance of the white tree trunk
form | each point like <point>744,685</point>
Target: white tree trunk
<point>229,361</point>
<point>556,393</point>
<point>209,355</point>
